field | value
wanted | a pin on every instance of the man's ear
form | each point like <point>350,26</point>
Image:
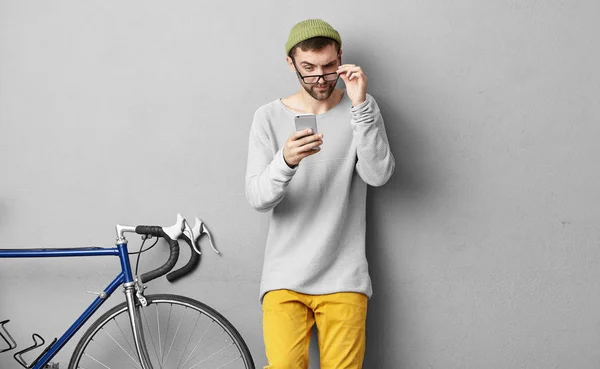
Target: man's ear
<point>340,56</point>
<point>290,63</point>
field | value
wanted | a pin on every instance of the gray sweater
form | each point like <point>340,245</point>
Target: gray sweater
<point>316,239</point>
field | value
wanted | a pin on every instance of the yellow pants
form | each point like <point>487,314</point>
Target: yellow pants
<point>288,318</point>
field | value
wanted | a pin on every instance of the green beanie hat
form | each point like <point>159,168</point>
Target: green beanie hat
<point>308,29</point>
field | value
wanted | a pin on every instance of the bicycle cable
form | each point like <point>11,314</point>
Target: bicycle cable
<point>142,250</point>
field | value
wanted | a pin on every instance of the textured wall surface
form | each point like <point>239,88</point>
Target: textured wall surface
<point>483,247</point>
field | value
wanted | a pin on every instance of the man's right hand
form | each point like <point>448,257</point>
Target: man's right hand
<point>300,145</point>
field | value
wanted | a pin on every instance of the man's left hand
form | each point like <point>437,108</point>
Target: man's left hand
<point>356,82</point>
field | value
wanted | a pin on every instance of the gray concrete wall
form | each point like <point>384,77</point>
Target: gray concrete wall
<point>483,246</point>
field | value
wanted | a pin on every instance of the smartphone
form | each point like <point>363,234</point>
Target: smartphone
<point>306,121</point>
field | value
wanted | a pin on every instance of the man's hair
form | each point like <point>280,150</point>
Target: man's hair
<point>315,43</point>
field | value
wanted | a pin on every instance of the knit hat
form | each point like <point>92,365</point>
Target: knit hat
<point>308,29</point>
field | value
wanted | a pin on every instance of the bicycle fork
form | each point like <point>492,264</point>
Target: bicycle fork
<point>136,325</point>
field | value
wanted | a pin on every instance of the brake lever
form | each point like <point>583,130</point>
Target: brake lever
<point>176,229</point>
<point>198,230</point>
<point>188,231</point>
<point>194,234</point>
<point>207,232</point>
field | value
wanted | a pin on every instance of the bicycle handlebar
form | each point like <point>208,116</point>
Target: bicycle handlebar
<point>157,231</point>
<point>191,264</point>
<point>180,230</point>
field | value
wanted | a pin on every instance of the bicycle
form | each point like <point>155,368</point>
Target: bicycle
<point>155,331</point>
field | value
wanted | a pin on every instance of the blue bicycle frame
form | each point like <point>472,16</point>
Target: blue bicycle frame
<point>124,277</point>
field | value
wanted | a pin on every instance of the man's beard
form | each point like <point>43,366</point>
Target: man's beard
<point>319,95</point>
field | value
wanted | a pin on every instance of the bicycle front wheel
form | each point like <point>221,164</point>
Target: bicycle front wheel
<point>179,332</point>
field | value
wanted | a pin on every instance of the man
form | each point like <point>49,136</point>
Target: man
<point>315,269</point>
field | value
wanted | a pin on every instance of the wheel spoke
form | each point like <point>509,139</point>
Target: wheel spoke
<point>203,360</point>
<point>162,358</point>
<point>229,362</point>
<point>158,325</point>
<point>124,336</point>
<point>121,347</point>
<point>189,340</point>
<point>107,367</point>
<point>204,348</point>
<point>191,353</point>
<point>150,332</point>
<point>175,335</point>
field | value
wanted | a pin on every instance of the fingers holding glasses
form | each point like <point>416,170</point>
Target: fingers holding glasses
<point>351,72</point>
<point>356,82</point>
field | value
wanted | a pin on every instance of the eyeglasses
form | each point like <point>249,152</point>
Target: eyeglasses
<point>314,79</point>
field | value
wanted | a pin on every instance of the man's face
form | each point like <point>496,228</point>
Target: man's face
<point>317,62</point>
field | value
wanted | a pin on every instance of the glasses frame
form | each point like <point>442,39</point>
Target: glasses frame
<point>319,76</point>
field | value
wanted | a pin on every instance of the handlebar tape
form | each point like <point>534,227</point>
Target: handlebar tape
<point>187,268</point>
<point>174,254</point>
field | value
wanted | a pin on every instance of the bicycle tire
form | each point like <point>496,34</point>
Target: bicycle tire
<point>92,352</point>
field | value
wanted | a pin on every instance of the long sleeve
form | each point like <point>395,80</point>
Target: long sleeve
<point>267,174</point>
<point>376,162</point>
